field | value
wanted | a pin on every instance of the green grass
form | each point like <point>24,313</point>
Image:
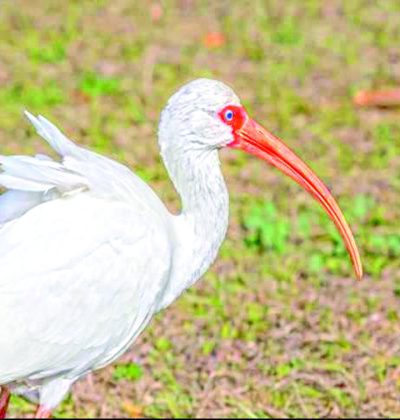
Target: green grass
<point>94,85</point>
<point>130,372</point>
<point>278,327</point>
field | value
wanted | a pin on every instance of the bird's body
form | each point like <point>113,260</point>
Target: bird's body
<point>105,255</point>
<point>93,255</point>
<point>88,253</point>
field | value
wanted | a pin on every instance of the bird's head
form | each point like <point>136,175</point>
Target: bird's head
<point>206,115</point>
<point>191,120</point>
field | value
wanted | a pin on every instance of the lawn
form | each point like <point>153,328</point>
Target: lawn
<point>278,327</point>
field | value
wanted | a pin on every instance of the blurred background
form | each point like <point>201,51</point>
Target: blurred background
<point>278,327</point>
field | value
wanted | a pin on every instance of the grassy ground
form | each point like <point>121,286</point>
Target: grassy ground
<point>278,327</point>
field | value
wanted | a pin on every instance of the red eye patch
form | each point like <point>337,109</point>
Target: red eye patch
<point>234,116</point>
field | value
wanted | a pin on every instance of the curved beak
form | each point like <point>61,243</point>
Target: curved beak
<point>254,139</point>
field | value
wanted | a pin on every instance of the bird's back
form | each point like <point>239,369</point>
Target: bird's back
<point>82,267</point>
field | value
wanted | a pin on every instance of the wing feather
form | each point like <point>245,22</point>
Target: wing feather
<point>85,255</point>
<point>91,277</point>
<point>79,170</point>
<point>60,143</point>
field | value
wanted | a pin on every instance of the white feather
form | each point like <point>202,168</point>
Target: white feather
<point>88,253</point>
<point>89,256</point>
<point>15,203</point>
<point>45,173</point>
<point>61,144</point>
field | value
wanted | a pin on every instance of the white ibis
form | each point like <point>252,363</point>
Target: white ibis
<point>88,253</point>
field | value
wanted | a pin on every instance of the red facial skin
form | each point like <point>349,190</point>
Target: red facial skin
<point>256,140</point>
<point>239,117</point>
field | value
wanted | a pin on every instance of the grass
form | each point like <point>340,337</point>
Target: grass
<point>278,327</point>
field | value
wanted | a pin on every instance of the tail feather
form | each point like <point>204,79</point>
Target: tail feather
<point>14,183</point>
<point>14,203</point>
<point>31,181</point>
<point>56,139</point>
<point>33,174</point>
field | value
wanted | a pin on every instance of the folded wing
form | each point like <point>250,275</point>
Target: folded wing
<point>31,181</point>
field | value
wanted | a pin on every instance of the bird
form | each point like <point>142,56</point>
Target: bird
<point>89,253</point>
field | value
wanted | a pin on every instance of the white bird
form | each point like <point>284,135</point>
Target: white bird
<point>88,253</point>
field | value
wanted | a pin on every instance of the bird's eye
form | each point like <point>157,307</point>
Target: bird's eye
<point>228,115</point>
<point>233,115</point>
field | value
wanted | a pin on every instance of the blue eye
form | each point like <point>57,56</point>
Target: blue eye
<point>228,115</point>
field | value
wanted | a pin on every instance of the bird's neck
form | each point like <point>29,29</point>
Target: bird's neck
<point>202,224</point>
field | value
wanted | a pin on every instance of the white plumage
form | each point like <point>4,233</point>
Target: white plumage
<point>82,272</point>
<point>88,253</point>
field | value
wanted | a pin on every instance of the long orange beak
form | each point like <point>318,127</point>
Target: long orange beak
<point>254,139</point>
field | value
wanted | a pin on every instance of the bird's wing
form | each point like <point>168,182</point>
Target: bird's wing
<point>35,180</point>
<point>84,254</point>
<point>80,278</point>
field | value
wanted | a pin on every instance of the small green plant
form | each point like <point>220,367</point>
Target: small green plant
<point>265,228</point>
<point>163,344</point>
<point>286,368</point>
<point>287,33</point>
<point>35,97</point>
<point>52,53</point>
<point>129,371</point>
<point>93,84</point>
